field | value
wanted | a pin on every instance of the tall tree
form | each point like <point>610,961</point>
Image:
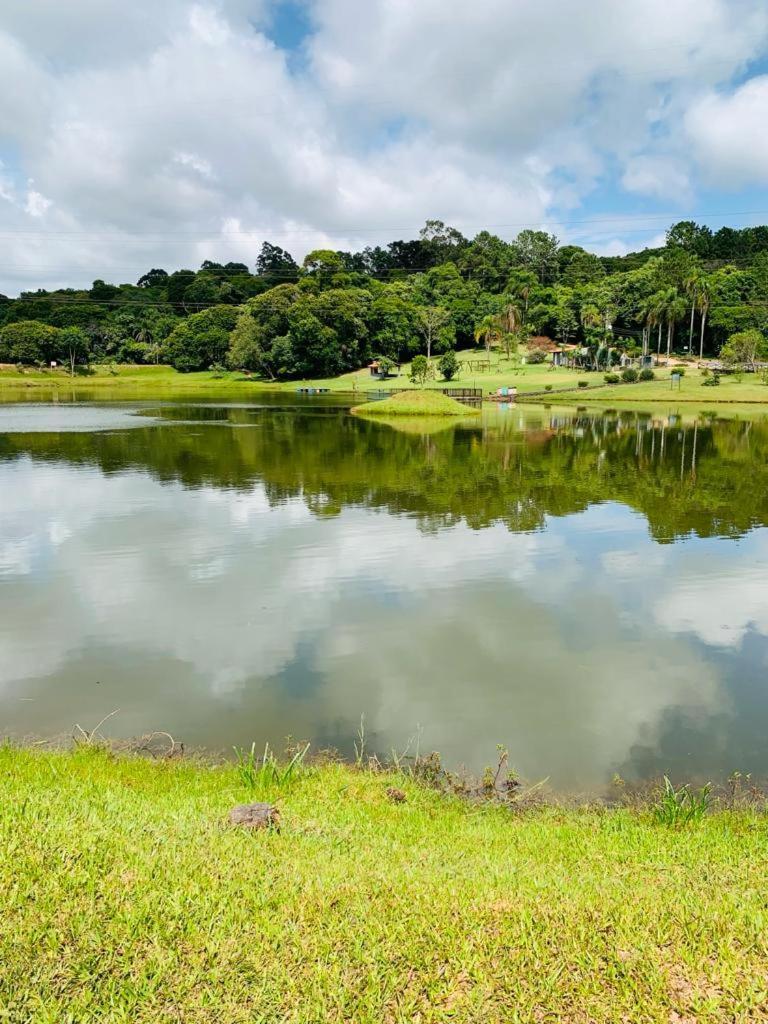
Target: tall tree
<point>433,321</point>
<point>671,307</point>
<point>703,299</point>
<point>74,343</point>
<point>538,251</point>
<point>693,282</point>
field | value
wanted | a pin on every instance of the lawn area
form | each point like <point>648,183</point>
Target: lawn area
<point>502,373</point>
<point>127,898</point>
<point>749,389</point>
<point>154,379</point>
<point>136,382</point>
<point>131,381</point>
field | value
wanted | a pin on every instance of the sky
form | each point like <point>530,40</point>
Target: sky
<point>162,134</point>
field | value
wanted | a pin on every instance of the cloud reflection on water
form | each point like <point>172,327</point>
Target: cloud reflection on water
<point>189,610</point>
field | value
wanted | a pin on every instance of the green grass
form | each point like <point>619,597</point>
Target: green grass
<point>748,390</point>
<point>415,403</point>
<point>127,898</point>
<point>135,382</point>
<point>125,381</point>
<point>502,373</point>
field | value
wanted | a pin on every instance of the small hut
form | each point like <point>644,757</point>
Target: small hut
<point>383,369</point>
<point>565,355</point>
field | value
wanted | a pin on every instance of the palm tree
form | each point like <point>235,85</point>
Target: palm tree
<point>692,285</point>
<point>674,309</point>
<point>510,320</point>
<point>648,318</point>
<point>703,299</point>
<point>487,331</point>
<point>656,311</point>
<point>520,285</point>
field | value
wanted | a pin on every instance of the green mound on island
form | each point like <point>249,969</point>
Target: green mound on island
<point>415,403</point>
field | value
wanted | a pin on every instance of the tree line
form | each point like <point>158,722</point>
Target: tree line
<point>434,294</point>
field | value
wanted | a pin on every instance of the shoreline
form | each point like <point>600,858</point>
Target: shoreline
<point>160,382</point>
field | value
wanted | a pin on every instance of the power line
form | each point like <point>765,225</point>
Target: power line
<point>553,221</point>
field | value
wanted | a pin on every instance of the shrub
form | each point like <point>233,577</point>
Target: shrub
<point>537,355</point>
<point>629,375</point>
<point>548,387</point>
<point>583,383</point>
<point>28,342</point>
<point>711,382</point>
<point>679,370</point>
<point>448,365</point>
<point>419,369</point>
<point>611,378</point>
<point>745,348</point>
<point>647,374</point>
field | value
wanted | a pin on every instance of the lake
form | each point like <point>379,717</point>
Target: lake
<point>587,588</point>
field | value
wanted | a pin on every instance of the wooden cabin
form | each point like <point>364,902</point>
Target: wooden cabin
<point>381,373</point>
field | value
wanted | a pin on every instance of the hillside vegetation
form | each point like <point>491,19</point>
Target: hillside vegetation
<point>429,296</point>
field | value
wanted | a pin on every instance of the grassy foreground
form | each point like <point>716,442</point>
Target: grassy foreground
<point>126,898</point>
<point>415,403</point>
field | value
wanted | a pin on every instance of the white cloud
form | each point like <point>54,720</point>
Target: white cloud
<point>196,163</point>
<point>161,134</point>
<point>36,204</point>
<point>657,176</point>
<point>728,132</point>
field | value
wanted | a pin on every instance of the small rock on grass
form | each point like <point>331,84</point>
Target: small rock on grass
<point>397,796</point>
<point>255,816</point>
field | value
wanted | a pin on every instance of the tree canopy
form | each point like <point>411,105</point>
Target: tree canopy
<point>435,293</point>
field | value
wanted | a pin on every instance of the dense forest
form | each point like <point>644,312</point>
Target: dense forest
<point>434,294</point>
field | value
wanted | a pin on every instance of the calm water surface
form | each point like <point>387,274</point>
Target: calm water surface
<point>589,589</point>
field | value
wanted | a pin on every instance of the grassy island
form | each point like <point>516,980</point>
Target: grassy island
<point>415,403</point>
<point>128,898</point>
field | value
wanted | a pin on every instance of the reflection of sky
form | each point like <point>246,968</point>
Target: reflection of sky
<point>212,615</point>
